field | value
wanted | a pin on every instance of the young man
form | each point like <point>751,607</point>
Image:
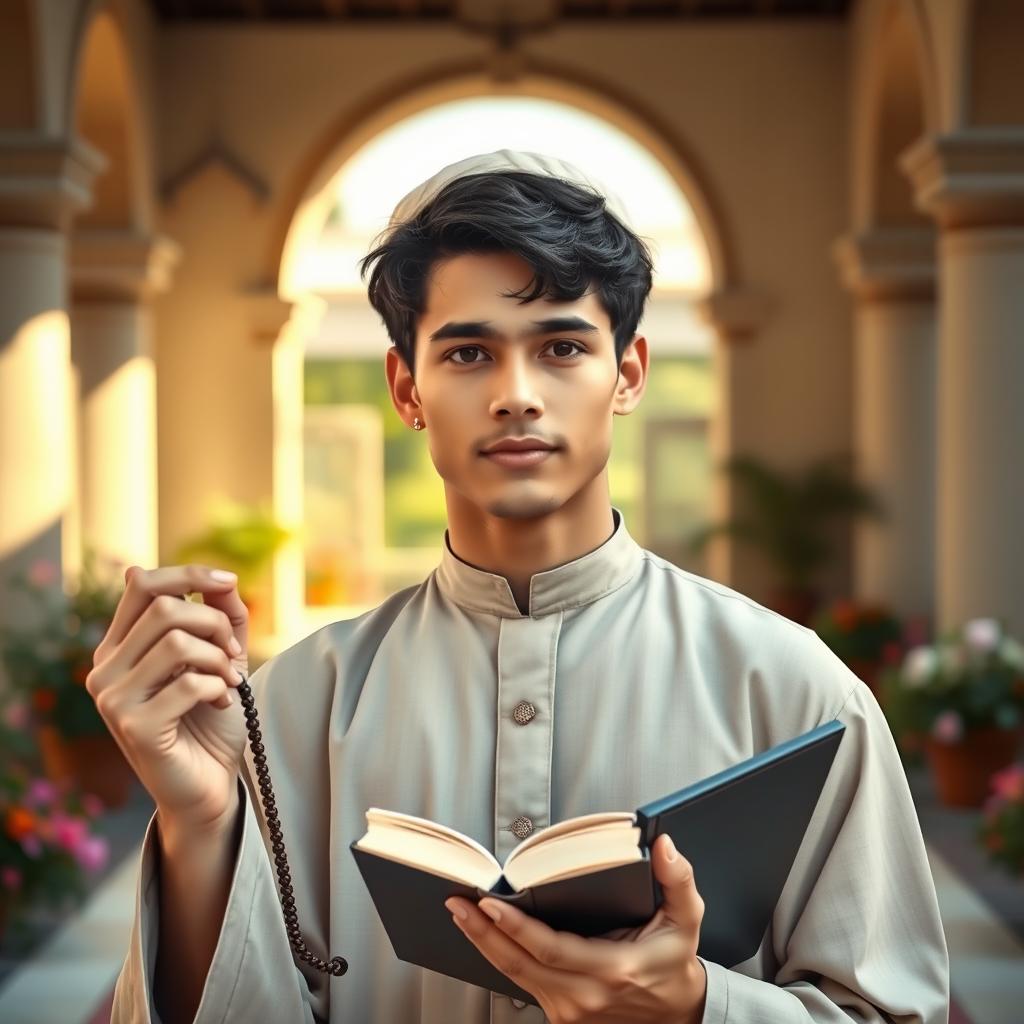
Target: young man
<point>548,667</point>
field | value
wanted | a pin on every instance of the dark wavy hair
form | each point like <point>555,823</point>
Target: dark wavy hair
<point>562,230</point>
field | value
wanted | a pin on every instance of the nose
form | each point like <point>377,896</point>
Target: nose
<point>515,389</point>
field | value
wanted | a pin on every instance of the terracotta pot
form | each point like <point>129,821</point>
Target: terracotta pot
<point>962,770</point>
<point>94,763</point>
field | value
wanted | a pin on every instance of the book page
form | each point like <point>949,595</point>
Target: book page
<point>396,819</point>
<point>433,851</point>
<point>577,824</point>
<point>573,854</point>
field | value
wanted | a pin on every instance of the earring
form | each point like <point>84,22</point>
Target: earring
<point>416,424</point>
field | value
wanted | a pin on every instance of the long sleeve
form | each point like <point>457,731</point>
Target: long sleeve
<point>252,975</point>
<point>857,933</point>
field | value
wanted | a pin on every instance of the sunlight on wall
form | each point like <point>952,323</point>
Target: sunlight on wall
<point>400,158</point>
<point>33,365</point>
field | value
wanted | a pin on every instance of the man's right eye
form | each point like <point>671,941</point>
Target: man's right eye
<point>465,348</point>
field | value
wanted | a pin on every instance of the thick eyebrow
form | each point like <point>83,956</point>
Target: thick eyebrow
<point>484,328</point>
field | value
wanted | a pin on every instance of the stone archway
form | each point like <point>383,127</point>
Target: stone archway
<point>312,209</point>
<point>302,217</point>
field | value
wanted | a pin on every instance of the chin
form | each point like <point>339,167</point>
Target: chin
<point>523,506</point>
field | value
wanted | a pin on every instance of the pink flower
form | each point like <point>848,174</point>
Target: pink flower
<point>92,805</point>
<point>1009,782</point>
<point>948,727</point>
<point>40,793</point>
<point>10,877</point>
<point>16,715</point>
<point>69,832</point>
<point>42,573</point>
<point>32,846</point>
<point>92,853</point>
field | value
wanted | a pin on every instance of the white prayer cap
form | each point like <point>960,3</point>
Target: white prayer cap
<point>503,160</point>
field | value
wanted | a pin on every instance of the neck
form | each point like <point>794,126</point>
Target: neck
<point>518,548</point>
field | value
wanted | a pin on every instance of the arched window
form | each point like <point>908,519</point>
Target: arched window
<point>375,510</point>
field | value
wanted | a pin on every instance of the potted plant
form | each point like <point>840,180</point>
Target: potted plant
<point>47,663</point>
<point>789,519</point>
<point>47,845</point>
<point>242,538</point>
<point>864,636</point>
<point>962,699</point>
<point>1001,831</point>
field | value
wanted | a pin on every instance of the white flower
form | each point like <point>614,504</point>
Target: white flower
<point>1012,652</point>
<point>920,663</point>
<point>982,634</point>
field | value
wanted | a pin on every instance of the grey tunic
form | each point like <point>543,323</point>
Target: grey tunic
<point>644,678</point>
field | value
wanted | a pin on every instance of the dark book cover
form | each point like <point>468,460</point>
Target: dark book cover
<point>740,829</point>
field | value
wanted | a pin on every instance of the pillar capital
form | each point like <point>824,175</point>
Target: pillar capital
<point>973,178</point>
<point>45,181</point>
<point>267,314</point>
<point>887,264</point>
<point>270,316</point>
<point>120,265</point>
<point>736,313</point>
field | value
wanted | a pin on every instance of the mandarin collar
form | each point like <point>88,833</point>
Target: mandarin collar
<point>576,583</point>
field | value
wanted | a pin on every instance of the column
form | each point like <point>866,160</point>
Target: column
<point>736,314</point>
<point>114,274</point>
<point>891,274</point>
<point>972,183</point>
<point>42,183</point>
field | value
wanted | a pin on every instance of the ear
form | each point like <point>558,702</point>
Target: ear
<point>402,387</point>
<point>629,388</point>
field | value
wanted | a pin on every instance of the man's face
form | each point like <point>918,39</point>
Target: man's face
<point>486,372</point>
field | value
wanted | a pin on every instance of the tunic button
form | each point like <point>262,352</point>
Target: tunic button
<point>524,712</point>
<point>518,1003</point>
<point>521,827</point>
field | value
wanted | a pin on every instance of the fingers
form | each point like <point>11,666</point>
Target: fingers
<point>173,702</point>
<point>166,613</point>
<point>683,904</point>
<point>143,585</point>
<point>231,605</point>
<point>175,655</point>
<point>560,950</point>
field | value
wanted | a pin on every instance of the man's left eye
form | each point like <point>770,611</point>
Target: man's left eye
<point>575,344</point>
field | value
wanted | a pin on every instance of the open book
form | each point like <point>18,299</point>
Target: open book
<point>592,874</point>
<point>576,846</point>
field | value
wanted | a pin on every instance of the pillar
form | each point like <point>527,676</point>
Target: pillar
<point>972,183</point>
<point>42,184</point>
<point>891,274</point>
<point>114,274</point>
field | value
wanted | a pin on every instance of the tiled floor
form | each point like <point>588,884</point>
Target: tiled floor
<point>70,977</point>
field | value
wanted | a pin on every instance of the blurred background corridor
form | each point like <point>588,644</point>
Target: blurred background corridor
<point>190,370</point>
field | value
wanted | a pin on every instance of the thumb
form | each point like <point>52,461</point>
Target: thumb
<point>683,904</point>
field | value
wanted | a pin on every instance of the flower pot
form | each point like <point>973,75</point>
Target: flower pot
<point>962,770</point>
<point>95,763</point>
